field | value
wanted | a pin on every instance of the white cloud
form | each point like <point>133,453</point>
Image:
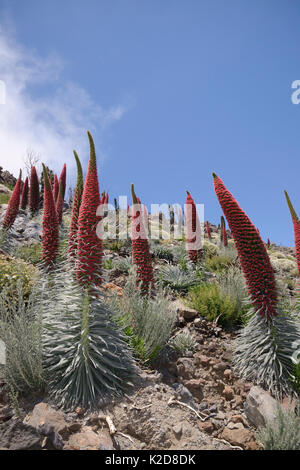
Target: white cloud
<point>43,112</point>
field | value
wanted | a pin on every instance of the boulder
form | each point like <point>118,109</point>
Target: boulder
<point>15,435</point>
<point>87,439</point>
<point>184,311</point>
<point>47,420</point>
<point>260,407</point>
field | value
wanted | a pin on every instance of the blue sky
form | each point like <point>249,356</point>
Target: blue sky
<point>172,90</point>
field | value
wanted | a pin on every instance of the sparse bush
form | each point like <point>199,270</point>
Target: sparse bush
<point>211,302</point>
<point>147,321</point>
<point>232,283</point>
<point>283,433</point>
<point>179,279</point>
<point>183,342</point>
<point>162,252</point>
<point>20,329</point>
<point>123,264</point>
<point>210,250</point>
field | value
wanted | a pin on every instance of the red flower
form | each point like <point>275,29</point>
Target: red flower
<point>89,246</point>
<point>193,234</point>
<point>75,209</point>
<point>223,231</point>
<point>50,224</point>
<point>62,179</point>
<point>34,192</point>
<point>296,223</point>
<point>13,205</point>
<point>55,188</point>
<point>24,197</point>
<point>141,256</point>
<point>208,230</point>
<point>252,252</point>
<point>60,203</point>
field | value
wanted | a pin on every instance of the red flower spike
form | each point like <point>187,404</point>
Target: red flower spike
<point>192,229</point>
<point>24,197</point>
<point>55,188</point>
<point>13,205</point>
<point>34,191</point>
<point>254,259</point>
<point>296,223</point>
<point>50,234</point>
<point>62,179</point>
<point>60,203</point>
<point>141,256</point>
<point>223,231</point>
<point>89,246</point>
<point>208,231</point>
<point>76,207</point>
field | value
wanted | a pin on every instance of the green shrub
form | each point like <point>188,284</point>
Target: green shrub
<point>4,198</point>
<point>147,321</point>
<point>283,433</point>
<point>30,253</point>
<point>13,271</point>
<point>107,264</point>
<point>217,263</point>
<point>212,303</point>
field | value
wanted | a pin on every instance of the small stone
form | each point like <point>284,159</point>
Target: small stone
<point>228,392</point>
<point>177,429</point>
<point>237,419</point>
<point>74,427</point>
<point>206,426</point>
<point>195,387</point>
<point>228,375</point>
<point>220,415</point>
<point>87,439</point>
<point>240,437</point>
<point>232,425</point>
<point>79,411</point>
<point>47,420</point>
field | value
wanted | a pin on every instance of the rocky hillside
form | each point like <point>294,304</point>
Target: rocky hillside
<point>189,397</point>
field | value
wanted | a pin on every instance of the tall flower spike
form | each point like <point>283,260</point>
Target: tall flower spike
<point>60,203</point>
<point>50,224</point>
<point>193,234</point>
<point>62,179</point>
<point>34,192</point>
<point>296,223</point>
<point>223,231</point>
<point>55,188</point>
<point>140,247</point>
<point>208,231</point>
<point>263,349</point>
<point>89,246</point>
<point>13,205</point>
<point>24,197</point>
<point>75,209</point>
<point>254,259</point>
